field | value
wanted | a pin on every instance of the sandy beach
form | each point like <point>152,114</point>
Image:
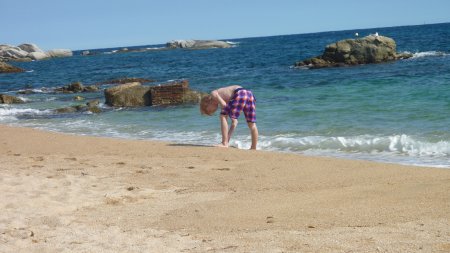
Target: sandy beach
<point>66,193</point>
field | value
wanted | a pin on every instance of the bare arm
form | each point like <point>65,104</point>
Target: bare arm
<point>216,95</point>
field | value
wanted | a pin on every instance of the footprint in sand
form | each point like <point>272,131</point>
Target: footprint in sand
<point>38,158</point>
<point>222,169</point>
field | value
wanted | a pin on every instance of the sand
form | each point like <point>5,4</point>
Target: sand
<point>66,193</point>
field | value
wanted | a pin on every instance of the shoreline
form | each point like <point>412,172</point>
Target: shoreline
<point>82,193</point>
<point>336,155</point>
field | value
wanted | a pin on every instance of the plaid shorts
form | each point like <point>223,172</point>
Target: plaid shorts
<point>242,100</point>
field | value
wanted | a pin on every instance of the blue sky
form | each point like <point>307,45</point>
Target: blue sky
<point>84,24</point>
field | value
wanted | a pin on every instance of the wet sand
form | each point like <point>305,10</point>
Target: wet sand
<point>66,193</point>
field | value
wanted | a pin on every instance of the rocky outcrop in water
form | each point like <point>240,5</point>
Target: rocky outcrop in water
<point>370,49</point>
<point>135,94</point>
<point>76,87</point>
<point>197,44</point>
<point>7,99</point>
<point>6,68</point>
<point>28,52</point>
<point>91,106</point>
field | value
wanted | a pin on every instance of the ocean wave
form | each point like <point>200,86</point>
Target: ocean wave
<point>155,48</point>
<point>35,90</point>
<point>428,54</point>
<point>395,144</point>
<point>7,112</point>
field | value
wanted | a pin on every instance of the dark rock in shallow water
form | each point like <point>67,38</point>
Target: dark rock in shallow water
<point>370,49</point>
<point>135,94</point>
<point>70,109</point>
<point>77,87</point>
<point>6,68</point>
<point>6,99</point>
<point>128,95</point>
<point>91,106</point>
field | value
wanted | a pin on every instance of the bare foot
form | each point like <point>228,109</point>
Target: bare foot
<point>221,145</point>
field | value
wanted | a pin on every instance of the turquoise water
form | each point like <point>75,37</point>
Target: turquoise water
<point>395,112</point>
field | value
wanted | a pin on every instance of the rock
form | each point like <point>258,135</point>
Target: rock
<point>30,48</point>
<point>78,98</point>
<point>6,68</point>
<point>76,87</point>
<point>60,53</point>
<point>126,80</point>
<point>197,44</point>
<point>91,88</point>
<point>72,109</point>
<point>38,56</point>
<point>135,94</point>
<point>95,109</point>
<point>93,103</point>
<point>26,92</point>
<point>28,52</point>
<point>370,49</point>
<point>6,99</point>
<point>12,53</point>
<point>128,95</point>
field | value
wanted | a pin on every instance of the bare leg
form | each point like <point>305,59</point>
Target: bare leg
<point>224,130</point>
<point>254,133</point>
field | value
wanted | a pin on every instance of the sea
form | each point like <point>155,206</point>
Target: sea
<point>396,112</point>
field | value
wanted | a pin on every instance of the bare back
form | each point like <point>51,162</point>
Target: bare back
<point>227,92</point>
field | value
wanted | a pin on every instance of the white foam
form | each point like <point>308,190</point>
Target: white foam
<point>24,99</point>
<point>428,54</point>
<point>12,113</point>
<point>232,43</point>
<point>154,48</point>
<point>396,144</point>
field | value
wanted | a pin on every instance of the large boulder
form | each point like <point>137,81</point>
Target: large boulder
<point>197,44</point>
<point>6,99</point>
<point>128,95</point>
<point>38,56</point>
<point>28,52</point>
<point>12,53</point>
<point>370,49</point>
<point>30,48</point>
<point>60,53</point>
<point>174,93</point>
<point>6,68</point>
<point>135,94</point>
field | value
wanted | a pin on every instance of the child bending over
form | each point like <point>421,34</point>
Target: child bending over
<point>232,99</point>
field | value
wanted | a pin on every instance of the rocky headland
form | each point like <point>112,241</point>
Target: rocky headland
<point>197,44</point>
<point>29,52</point>
<point>6,68</point>
<point>366,50</point>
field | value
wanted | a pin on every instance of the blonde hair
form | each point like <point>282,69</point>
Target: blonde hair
<point>204,102</point>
